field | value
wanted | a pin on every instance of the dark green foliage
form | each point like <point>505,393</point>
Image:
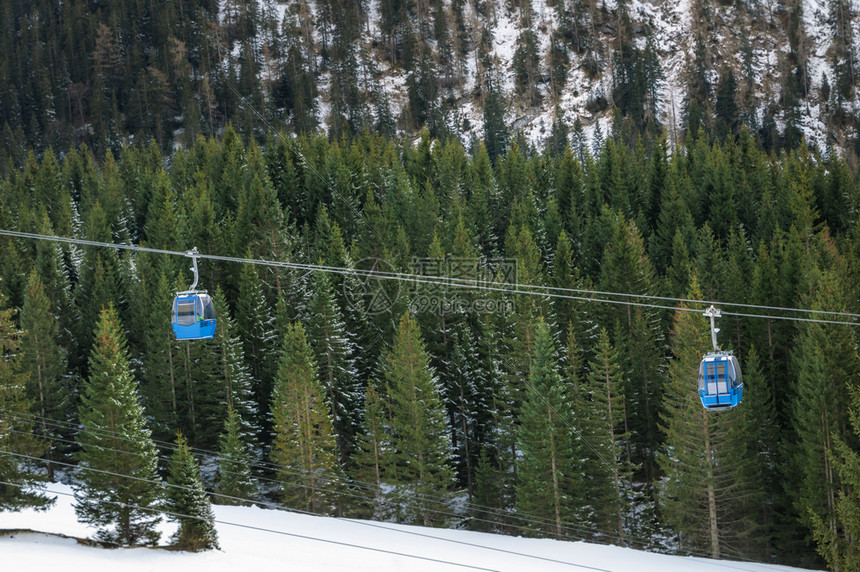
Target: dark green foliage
<point>545,467</point>
<point>824,361</point>
<point>119,487</point>
<point>187,503</point>
<point>304,446</point>
<point>726,108</point>
<point>835,539</point>
<point>44,365</point>
<point>235,484</point>
<point>255,326</point>
<point>373,457</point>
<point>333,352</point>
<point>495,128</point>
<point>525,65</point>
<point>234,380</point>
<point>639,218</point>
<point>419,435</point>
<point>16,425</point>
<point>602,423</point>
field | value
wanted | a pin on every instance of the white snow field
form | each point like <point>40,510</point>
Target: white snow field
<point>255,540</point>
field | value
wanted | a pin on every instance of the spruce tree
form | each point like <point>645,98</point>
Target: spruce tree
<point>161,389</point>
<point>696,476</point>
<point>18,445</point>
<point>608,475</point>
<point>373,457</point>
<point>44,362</point>
<point>545,466</point>
<point>304,447</point>
<point>235,483</point>
<point>824,361</point>
<point>255,325</point>
<point>333,352</point>
<point>419,431</point>
<point>118,489</point>
<point>187,503</point>
<point>234,377</point>
<point>837,541</point>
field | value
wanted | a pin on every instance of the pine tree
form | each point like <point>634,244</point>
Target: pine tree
<point>753,451</point>
<point>545,465</point>
<point>726,108</point>
<point>824,361</point>
<point>333,352</point>
<point>373,457</point>
<point>235,481</point>
<point>419,432</point>
<point>233,373</point>
<point>255,324</point>
<point>44,362</point>
<point>609,469</point>
<point>119,485</point>
<point>495,128</point>
<point>304,446</point>
<point>161,389</point>
<point>187,503</point>
<point>467,401</point>
<point>16,425</point>
<point>696,476</point>
<point>836,541</point>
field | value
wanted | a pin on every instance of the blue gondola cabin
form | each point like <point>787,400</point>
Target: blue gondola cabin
<point>720,382</point>
<point>193,316</point>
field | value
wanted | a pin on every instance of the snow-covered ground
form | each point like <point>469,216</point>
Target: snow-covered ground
<point>258,539</point>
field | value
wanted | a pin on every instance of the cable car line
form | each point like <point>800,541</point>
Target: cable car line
<point>524,518</point>
<point>585,532</point>
<point>280,532</point>
<point>508,288</point>
<point>286,509</point>
<point>702,553</point>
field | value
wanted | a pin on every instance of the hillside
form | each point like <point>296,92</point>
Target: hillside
<point>785,69</point>
<point>459,254</point>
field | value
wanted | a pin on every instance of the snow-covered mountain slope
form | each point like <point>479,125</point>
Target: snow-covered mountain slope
<point>749,36</point>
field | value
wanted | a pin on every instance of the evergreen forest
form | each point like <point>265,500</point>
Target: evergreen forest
<point>490,410</point>
<point>538,403</point>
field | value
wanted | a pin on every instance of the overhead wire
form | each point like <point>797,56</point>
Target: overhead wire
<point>318,539</point>
<point>461,283</point>
<point>468,284</point>
<point>526,519</point>
<point>584,533</point>
<point>279,532</point>
<point>481,285</point>
<point>280,507</point>
<point>307,513</point>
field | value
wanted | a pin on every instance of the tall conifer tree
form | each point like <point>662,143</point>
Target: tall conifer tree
<point>235,481</point>
<point>44,362</point>
<point>304,446</point>
<point>419,432</point>
<point>187,503</point>
<point>545,467</point>
<point>119,487</point>
<point>607,447</point>
<point>16,424</point>
<point>333,351</point>
<point>695,437</point>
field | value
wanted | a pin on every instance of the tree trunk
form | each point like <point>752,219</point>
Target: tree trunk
<point>556,495</point>
<point>712,501</point>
